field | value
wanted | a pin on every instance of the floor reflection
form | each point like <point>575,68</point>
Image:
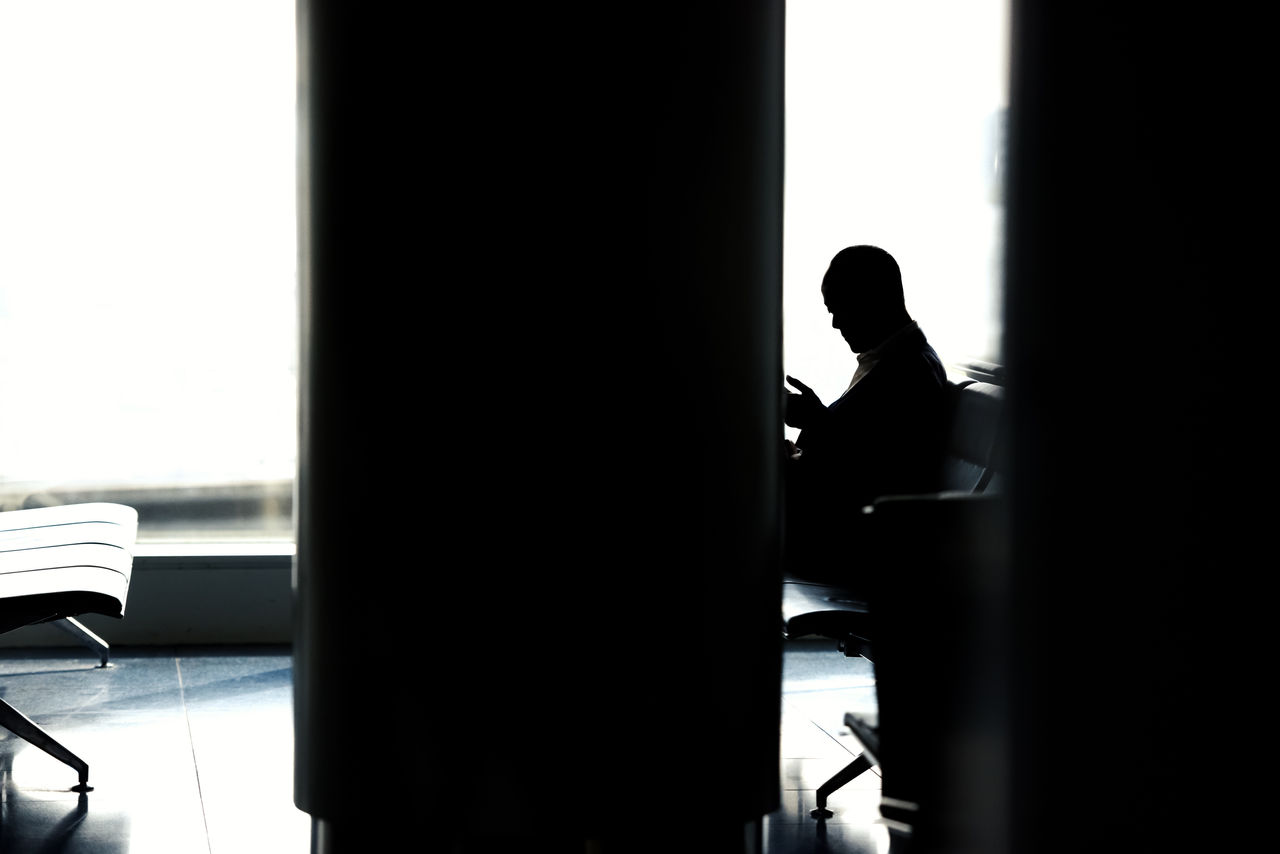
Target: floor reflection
<point>191,751</point>
<point>188,751</point>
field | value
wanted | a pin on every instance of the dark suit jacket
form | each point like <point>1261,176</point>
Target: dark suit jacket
<point>885,436</point>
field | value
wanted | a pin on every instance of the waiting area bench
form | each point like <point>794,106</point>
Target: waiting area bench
<point>879,626</point>
<point>56,564</point>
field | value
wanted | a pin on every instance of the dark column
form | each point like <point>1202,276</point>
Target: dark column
<point>537,580</point>
<point>1122,343</point>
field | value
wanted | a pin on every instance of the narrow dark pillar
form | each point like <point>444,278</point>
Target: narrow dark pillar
<point>1125,170</point>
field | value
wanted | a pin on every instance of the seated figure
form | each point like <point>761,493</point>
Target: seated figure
<point>885,435</point>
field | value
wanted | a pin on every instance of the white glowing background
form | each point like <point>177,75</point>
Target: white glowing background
<point>147,238</point>
<point>147,241</point>
<point>892,113</point>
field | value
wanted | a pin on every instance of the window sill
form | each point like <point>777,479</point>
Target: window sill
<point>161,555</point>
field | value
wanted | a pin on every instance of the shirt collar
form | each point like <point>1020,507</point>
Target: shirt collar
<point>875,353</point>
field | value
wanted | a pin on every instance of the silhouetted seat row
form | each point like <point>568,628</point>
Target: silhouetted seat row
<point>57,563</point>
<point>897,613</point>
<point>811,609</point>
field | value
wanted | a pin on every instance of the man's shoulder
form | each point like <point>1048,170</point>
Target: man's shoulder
<point>915,364</point>
<point>895,390</point>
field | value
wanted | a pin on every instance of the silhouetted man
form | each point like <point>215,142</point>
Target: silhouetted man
<point>883,436</point>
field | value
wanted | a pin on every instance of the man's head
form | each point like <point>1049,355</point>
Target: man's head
<point>863,291</point>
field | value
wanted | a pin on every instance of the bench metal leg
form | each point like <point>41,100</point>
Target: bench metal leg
<point>26,729</point>
<point>76,629</point>
<point>844,775</point>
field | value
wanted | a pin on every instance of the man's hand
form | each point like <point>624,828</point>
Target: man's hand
<point>803,409</point>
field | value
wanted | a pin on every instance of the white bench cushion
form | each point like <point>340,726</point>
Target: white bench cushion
<point>71,549</point>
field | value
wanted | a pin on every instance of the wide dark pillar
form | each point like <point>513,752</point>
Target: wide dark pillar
<point>537,582</point>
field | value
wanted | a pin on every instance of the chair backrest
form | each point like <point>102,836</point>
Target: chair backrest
<point>973,461</point>
<point>973,465</point>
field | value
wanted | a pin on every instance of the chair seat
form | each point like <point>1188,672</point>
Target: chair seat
<point>811,609</point>
<point>57,563</point>
<point>66,560</point>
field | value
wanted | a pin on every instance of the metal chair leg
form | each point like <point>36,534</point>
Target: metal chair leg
<point>844,775</point>
<point>26,729</point>
<point>76,629</point>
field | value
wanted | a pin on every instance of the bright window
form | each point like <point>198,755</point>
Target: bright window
<point>894,131</point>
<point>148,261</point>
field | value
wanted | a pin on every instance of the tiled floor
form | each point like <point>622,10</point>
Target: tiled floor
<point>191,750</point>
<point>188,751</point>
<point>819,685</point>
